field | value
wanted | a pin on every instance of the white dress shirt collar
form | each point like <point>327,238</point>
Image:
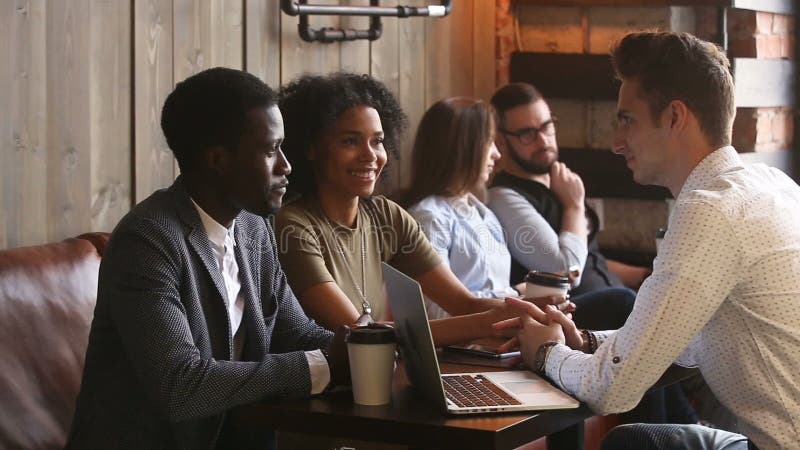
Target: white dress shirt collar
<point>713,165</point>
<point>217,233</point>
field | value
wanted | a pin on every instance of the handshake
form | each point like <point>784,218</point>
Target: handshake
<point>545,317</point>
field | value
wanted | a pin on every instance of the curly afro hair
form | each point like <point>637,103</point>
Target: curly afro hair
<point>311,105</point>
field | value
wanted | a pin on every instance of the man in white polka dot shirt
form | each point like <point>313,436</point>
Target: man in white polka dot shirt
<point>725,290</point>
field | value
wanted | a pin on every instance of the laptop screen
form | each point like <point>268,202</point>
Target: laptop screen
<point>414,334</point>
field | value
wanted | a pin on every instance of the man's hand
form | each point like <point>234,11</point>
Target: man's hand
<point>567,186</point>
<point>504,319</point>
<point>572,335</point>
<point>533,334</point>
<point>340,372</point>
<point>545,315</point>
<point>529,307</point>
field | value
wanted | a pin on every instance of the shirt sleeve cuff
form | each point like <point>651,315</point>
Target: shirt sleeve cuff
<point>575,247</point>
<point>319,371</point>
<point>602,336</point>
<point>555,359</point>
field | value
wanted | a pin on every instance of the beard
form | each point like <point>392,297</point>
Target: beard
<point>532,166</point>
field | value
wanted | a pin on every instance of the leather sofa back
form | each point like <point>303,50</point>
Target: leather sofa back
<point>47,297</point>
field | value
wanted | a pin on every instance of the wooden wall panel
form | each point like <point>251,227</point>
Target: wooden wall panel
<point>206,33</point>
<point>68,130</point>
<point>412,63</point>
<point>354,56</point>
<point>262,41</point>
<point>449,53</point>
<point>384,65</point>
<point>227,33</point>
<point>153,79</point>
<point>23,130</point>
<point>85,81</point>
<point>483,50</point>
<point>110,112</point>
<point>191,37</point>
<point>299,57</point>
<point>6,110</point>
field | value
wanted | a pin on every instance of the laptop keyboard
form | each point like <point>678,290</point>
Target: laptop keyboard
<point>475,390</point>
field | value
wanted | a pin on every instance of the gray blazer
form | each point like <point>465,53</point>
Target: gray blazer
<point>158,372</point>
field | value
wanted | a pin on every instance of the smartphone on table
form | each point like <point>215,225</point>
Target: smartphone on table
<point>480,349</point>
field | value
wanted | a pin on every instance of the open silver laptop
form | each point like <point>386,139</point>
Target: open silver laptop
<point>464,393</point>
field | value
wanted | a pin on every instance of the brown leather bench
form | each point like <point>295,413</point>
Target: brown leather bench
<point>47,297</point>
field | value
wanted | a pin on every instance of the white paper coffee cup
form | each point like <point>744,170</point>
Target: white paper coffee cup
<point>371,351</point>
<point>543,284</point>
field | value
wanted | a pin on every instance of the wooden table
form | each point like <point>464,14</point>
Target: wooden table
<point>412,420</point>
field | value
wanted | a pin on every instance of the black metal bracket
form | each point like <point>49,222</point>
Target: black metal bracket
<point>374,12</point>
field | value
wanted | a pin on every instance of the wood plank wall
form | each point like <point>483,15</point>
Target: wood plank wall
<point>82,83</point>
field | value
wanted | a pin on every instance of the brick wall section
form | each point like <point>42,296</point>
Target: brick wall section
<point>627,224</point>
<point>755,34</point>
<point>593,30</point>
<point>707,23</point>
<point>751,34</point>
<point>631,224</point>
<point>763,129</point>
<point>762,35</point>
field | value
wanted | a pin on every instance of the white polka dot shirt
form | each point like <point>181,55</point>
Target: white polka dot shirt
<point>724,296</point>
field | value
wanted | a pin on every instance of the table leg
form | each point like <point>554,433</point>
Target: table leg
<point>570,438</point>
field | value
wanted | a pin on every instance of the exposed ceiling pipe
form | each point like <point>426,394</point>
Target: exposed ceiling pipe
<point>374,11</point>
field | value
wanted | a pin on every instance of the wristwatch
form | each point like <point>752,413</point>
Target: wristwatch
<point>540,360</point>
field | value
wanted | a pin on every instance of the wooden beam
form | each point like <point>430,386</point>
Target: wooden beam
<point>566,75</point>
<point>606,175</point>
<point>764,82</point>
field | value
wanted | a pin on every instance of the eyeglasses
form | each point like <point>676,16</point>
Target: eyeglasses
<point>528,135</point>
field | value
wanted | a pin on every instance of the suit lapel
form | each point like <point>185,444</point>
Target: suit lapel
<point>197,237</point>
<point>246,259</point>
<point>251,278</point>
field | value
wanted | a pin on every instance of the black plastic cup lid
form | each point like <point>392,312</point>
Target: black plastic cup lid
<point>374,333</point>
<point>548,279</point>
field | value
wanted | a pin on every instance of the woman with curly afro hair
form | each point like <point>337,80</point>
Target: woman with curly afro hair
<point>333,237</point>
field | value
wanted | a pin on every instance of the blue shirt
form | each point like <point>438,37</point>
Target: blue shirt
<point>469,239</point>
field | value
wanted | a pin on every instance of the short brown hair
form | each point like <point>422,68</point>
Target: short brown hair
<point>449,148</point>
<point>678,66</point>
<point>512,95</point>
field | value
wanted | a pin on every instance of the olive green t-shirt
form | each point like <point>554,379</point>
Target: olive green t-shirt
<point>315,250</point>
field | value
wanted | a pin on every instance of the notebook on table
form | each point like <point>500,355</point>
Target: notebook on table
<point>462,393</point>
